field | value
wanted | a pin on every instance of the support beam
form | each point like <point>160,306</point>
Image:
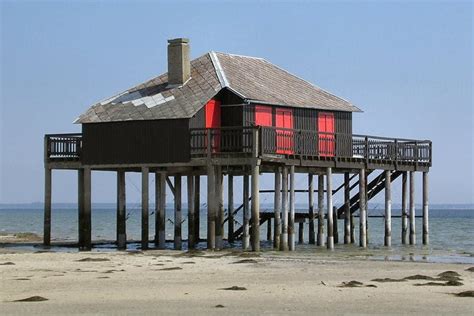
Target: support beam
<point>230,208</point>
<point>161,212</point>
<point>362,211</point>
<point>80,203</point>
<point>291,221</point>
<point>311,232</point>
<point>320,239</point>
<point>412,209</point>
<point>352,229</point>
<point>388,209</point>
<point>330,239</point>
<point>426,231</point>
<point>197,208</point>
<point>145,207</point>
<point>367,227</point>
<point>404,208</point>
<point>211,207</point>
<point>255,208</point>
<point>277,210</point>
<point>336,230</point>
<point>220,209</point>
<point>246,213</point>
<point>347,209</point>
<point>191,213</point>
<point>178,217</point>
<point>47,207</point>
<point>121,211</point>
<point>300,232</point>
<point>86,212</point>
<point>269,229</point>
<point>284,217</point>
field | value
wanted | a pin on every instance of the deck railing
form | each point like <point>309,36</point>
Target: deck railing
<point>63,146</point>
<point>304,143</point>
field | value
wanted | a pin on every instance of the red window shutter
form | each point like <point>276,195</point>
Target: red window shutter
<point>285,142</point>
<point>213,120</point>
<point>263,115</point>
<point>326,125</point>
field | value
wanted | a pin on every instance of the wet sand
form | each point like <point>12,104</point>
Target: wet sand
<point>170,282</point>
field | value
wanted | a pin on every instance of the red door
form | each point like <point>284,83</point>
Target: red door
<point>263,115</point>
<point>284,120</point>
<point>213,120</point>
<point>326,131</point>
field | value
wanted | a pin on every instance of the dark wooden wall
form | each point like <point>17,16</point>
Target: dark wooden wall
<point>157,141</point>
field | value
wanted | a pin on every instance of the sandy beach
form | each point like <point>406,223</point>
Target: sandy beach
<point>171,282</point>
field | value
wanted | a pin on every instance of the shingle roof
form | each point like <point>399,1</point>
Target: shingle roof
<point>254,79</point>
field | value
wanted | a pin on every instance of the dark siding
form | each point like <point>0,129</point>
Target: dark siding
<point>306,119</point>
<point>344,130</point>
<point>199,119</point>
<point>158,141</point>
<point>231,116</point>
<point>249,115</point>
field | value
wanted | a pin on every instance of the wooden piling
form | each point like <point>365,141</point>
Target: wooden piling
<point>412,209</point>
<point>426,234</point>
<point>367,227</point>
<point>330,238</point>
<point>320,239</point>
<point>362,210</point>
<point>311,232</point>
<point>211,208</point>
<point>197,208</point>
<point>269,229</point>
<point>347,209</point>
<point>161,209</point>
<point>177,213</point>
<point>255,208</point>
<point>277,210</point>
<point>300,232</point>
<point>121,211</point>
<point>291,220</point>
<point>336,230</point>
<point>145,207</point>
<point>220,209</point>
<point>404,208</point>
<point>388,209</point>
<point>87,208</point>
<point>47,207</point>
<point>80,203</point>
<point>284,215</point>
<point>191,213</point>
<point>352,229</point>
<point>246,214</point>
<point>230,208</point>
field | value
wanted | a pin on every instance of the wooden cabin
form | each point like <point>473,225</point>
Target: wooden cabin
<point>235,115</point>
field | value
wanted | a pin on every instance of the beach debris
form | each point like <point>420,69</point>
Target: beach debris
<point>354,283</point>
<point>471,269</point>
<point>419,277</point>
<point>32,299</point>
<point>234,288</point>
<point>103,277</point>
<point>448,283</point>
<point>464,294</point>
<point>88,259</point>
<point>22,279</point>
<point>219,306</point>
<point>324,283</point>
<point>387,280</point>
<point>449,274</point>
<point>8,263</point>
<point>189,262</point>
<point>245,261</point>
<point>170,269</point>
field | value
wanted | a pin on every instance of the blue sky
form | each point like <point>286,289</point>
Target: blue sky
<point>408,65</point>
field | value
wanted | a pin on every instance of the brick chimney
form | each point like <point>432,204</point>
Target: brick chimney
<point>179,66</point>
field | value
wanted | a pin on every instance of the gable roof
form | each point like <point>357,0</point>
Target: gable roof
<point>253,79</point>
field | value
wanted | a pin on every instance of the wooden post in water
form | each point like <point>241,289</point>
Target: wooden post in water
<point>80,203</point>
<point>145,207</point>
<point>311,232</point>
<point>255,208</point>
<point>388,209</point>
<point>320,239</point>
<point>191,213</point>
<point>178,218</point>
<point>300,232</point>
<point>284,215</point>
<point>121,211</point>
<point>246,214</point>
<point>404,208</point>
<point>330,238</point>
<point>362,211</point>
<point>426,232</point>
<point>347,209</point>
<point>230,208</point>
<point>336,230</point>
<point>220,209</point>
<point>291,221</point>
<point>269,229</point>
<point>412,209</point>
<point>211,208</point>
<point>161,209</point>
<point>197,208</point>
<point>47,206</point>
<point>277,210</point>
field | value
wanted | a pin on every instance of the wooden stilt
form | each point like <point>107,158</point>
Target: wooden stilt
<point>121,211</point>
<point>277,209</point>
<point>47,207</point>
<point>191,213</point>
<point>177,213</point>
<point>336,230</point>
<point>300,232</point>
<point>284,216</point>
<point>80,203</point>
<point>412,209</point>
<point>161,212</point>
<point>352,229</point>
<point>255,208</point>
<point>197,208</point>
<point>330,238</point>
<point>246,213</point>
<point>347,209</point>
<point>211,207</point>
<point>87,220</point>
<point>311,232</point>
<point>157,209</point>
<point>291,221</point>
<point>388,209</point>
<point>362,211</point>
<point>145,207</point>
<point>426,232</point>
<point>404,208</point>
<point>230,208</point>
<point>220,209</point>
<point>269,229</point>
<point>367,227</point>
<point>320,239</point>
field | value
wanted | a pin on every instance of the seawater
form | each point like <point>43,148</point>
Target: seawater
<point>451,232</point>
